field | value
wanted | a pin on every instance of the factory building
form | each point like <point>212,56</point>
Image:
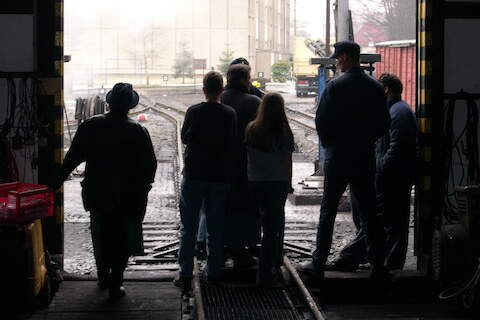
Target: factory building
<point>147,50</point>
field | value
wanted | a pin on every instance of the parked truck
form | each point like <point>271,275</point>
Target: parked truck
<point>306,81</point>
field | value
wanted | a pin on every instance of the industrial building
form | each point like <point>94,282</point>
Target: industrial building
<point>258,30</point>
<point>445,283</point>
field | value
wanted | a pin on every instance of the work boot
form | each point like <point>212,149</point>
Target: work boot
<point>244,260</point>
<point>314,274</point>
<point>342,265</point>
<point>269,279</point>
<point>116,292</point>
<point>104,279</point>
<point>184,283</point>
<point>310,268</point>
<point>380,273</point>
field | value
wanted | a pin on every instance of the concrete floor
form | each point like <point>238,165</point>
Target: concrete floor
<point>82,300</point>
<point>79,300</point>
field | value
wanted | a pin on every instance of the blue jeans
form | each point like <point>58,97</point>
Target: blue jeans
<point>355,252</point>
<point>213,195</point>
<point>270,197</point>
<point>362,189</point>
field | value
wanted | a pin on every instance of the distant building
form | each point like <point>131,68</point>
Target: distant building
<point>258,30</point>
<point>368,34</point>
<point>107,47</point>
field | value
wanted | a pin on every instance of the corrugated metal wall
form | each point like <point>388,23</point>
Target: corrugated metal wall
<point>400,61</point>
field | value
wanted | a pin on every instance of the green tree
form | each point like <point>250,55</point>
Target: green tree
<point>225,59</point>
<point>281,70</point>
<point>183,66</point>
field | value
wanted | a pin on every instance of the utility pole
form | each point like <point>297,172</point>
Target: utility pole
<point>342,20</point>
<point>295,18</point>
<point>327,30</point>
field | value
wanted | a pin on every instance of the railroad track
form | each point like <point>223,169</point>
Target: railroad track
<point>303,119</point>
<point>291,300</point>
<point>231,299</point>
<point>161,238</point>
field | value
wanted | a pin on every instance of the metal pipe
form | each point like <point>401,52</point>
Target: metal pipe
<point>342,22</point>
<point>306,295</point>
<point>327,30</point>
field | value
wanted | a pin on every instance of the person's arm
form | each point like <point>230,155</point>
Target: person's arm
<point>231,144</point>
<point>76,154</point>
<point>151,159</point>
<point>186,127</point>
<point>324,116</point>
<point>382,122</point>
<point>290,172</point>
<point>398,134</point>
<point>290,142</point>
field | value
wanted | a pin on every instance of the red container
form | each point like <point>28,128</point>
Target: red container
<point>400,58</point>
<point>24,202</point>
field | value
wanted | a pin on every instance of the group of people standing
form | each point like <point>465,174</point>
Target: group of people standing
<point>370,140</point>
<point>238,172</point>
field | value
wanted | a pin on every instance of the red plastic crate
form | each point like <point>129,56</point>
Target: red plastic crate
<point>23,202</point>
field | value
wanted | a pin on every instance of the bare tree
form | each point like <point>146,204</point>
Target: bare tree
<point>148,55</point>
<point>397,17</point>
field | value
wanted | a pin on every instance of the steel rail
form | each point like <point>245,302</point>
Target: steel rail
<point>303,114</point>
<point>316,311</point>
<point>197,292</point>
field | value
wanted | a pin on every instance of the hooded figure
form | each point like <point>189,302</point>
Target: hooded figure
<point>120,167</point>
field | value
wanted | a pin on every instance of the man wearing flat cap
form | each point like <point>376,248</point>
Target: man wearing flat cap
<point>351,116</point>
<point>120,167</point>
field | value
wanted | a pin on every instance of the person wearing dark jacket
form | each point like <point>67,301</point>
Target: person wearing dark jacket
<point>397,159</point>
<point>202,228</point>
<point>397,164</point>
<point>243,220</point>
<point>351,116</point>
<point>251,89</point>
<point>270,144</point>
<point>209,133</point>
<point>120,168</point>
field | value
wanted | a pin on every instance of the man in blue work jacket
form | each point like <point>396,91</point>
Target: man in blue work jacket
<point>351,116</point>
<point>397,163</point>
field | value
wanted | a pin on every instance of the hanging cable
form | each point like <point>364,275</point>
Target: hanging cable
<point>469,290</point>
<point>463,145</point>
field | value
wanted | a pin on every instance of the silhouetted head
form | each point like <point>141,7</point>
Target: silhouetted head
<point>122,98</point>
<point>347,54</point>
<point>212,85</point>
<point>270,124</point>
<point>240,61</point>
<point>271,111</point>
<point>393,86</point>
<point>238,76</point>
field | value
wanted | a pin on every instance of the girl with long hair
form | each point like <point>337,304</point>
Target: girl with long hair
<point>270,144</point>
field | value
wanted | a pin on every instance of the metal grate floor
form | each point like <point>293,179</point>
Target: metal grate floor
<point>230,302</point>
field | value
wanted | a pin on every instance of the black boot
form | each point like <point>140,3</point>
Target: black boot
<point>103,281</point>
<point>116,290</point>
